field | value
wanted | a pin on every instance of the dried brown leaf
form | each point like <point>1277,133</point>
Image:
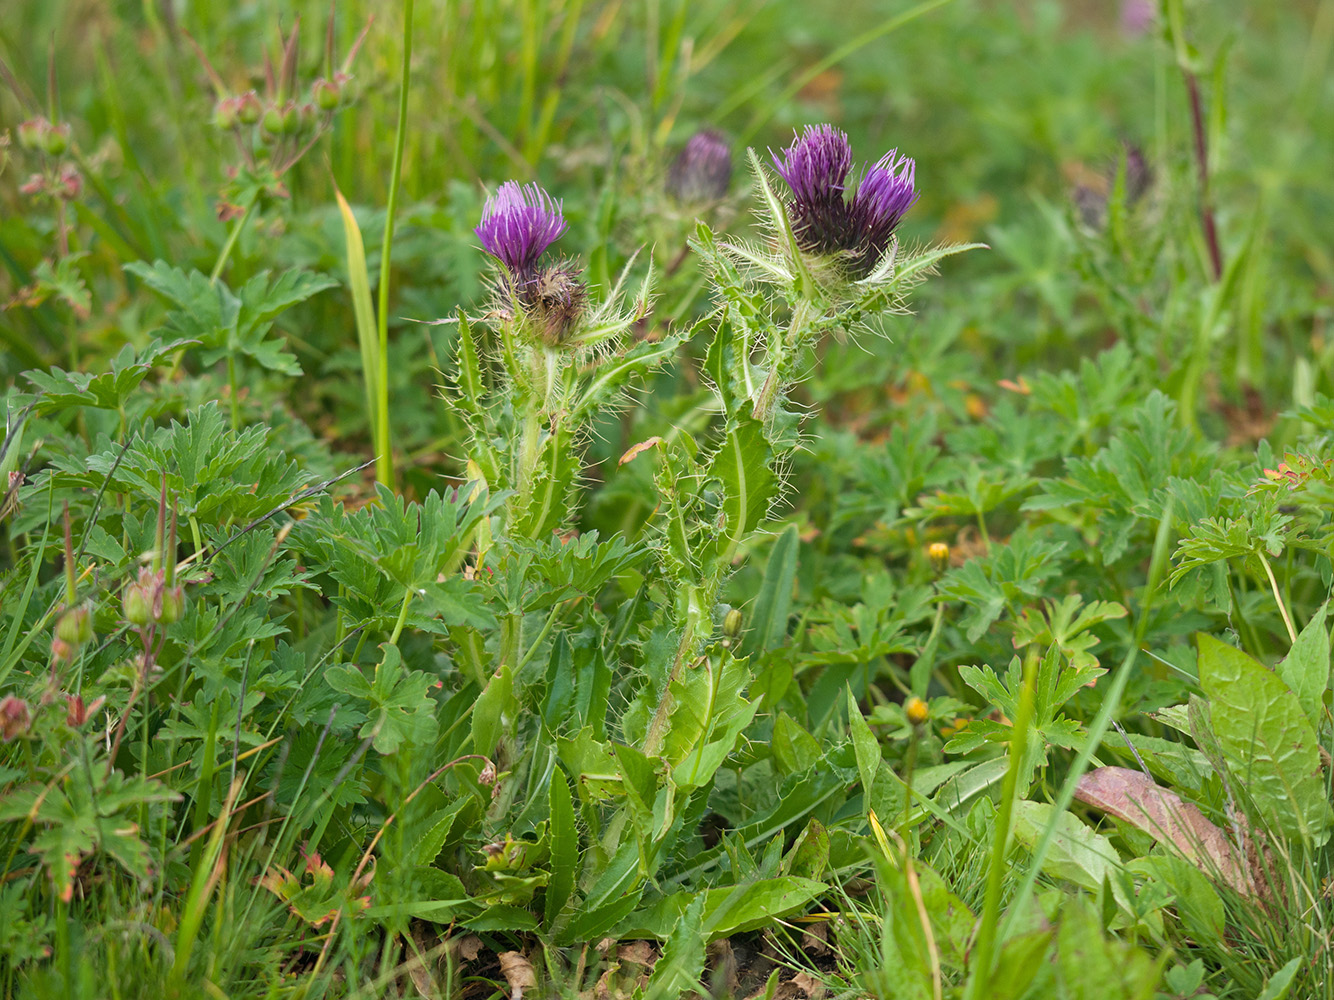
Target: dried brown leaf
<point>518,973</point>
<point>469,947</point>
<point>638,952</point>
<point>812,987</point>
<point>1133,796</point>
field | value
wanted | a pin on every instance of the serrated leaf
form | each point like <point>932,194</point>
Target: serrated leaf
<point>1266,740</point>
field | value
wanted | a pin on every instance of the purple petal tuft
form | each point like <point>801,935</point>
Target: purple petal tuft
<point>518,224</point>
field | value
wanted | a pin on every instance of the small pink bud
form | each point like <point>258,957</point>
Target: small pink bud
<point>15,718</point>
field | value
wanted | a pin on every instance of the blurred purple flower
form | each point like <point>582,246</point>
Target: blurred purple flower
<point>816,168</point>
<point>1137,16</point>
<point>702,170</point>
<point>518,224</point>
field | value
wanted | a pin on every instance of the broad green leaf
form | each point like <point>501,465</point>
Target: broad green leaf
<point>748,483</point>
<point>1076,854</point>
<point>1305,670</point>
<point>864,745</point>
<point>1279,984</point>
<point>794,749</point>
<point>727,910</point>
<point>1266,740</point>
<point>494,711</point>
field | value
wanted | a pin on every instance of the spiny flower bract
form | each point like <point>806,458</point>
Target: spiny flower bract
<point>518,223</point>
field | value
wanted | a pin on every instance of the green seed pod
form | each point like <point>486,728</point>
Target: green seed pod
<point>75,626</point>
<point>248,109</point>
<point>138,605</point>
<point>173,605</point>
<point>732,623</point>
<point>227,113</point>
<point>32,133</point>
<point>272,122</point>
<point>327,95</point>
<point>57,139</point>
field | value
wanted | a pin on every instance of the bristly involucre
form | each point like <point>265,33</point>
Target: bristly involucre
<point>702,170</point>
<point>518,224</point>
<point>824,222</point>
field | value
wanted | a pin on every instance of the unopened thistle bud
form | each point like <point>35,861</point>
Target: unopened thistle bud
<point>916,710</point>
<point>702,170</point>
<point>824,222</point>
<point>939,554</point>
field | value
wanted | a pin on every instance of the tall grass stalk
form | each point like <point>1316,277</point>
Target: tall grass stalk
<point>984,953</point>
<point>384,456</point>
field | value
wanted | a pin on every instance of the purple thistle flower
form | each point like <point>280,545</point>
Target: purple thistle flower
<point>518,224</point>
<point>702,170</point>
<point>883,197</point>
<point>816,168</point>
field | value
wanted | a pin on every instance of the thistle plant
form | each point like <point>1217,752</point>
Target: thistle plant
<point>556,359</point>
<point>832,264</point>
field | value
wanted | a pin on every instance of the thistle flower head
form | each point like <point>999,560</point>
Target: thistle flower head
<point>702,170</point>
<point>824,221</point>
<point>884,195</point>
<point>816,168</point>
<point>518,224</point>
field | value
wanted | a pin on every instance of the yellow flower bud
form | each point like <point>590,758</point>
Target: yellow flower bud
<point>916,710</point>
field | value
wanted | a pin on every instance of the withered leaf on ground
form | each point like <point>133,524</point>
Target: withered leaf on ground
<point>518,973</point>
<point>1133,796</point>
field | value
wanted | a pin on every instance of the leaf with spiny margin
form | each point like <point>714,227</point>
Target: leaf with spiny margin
<point>550,503</point>
<point>614,374</point>
<point>1266,740</point>
<point>709,714</point>
<point>472,391</point>
<point>564,847</point>
<point>801,274</point>
<point>741,466</point>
